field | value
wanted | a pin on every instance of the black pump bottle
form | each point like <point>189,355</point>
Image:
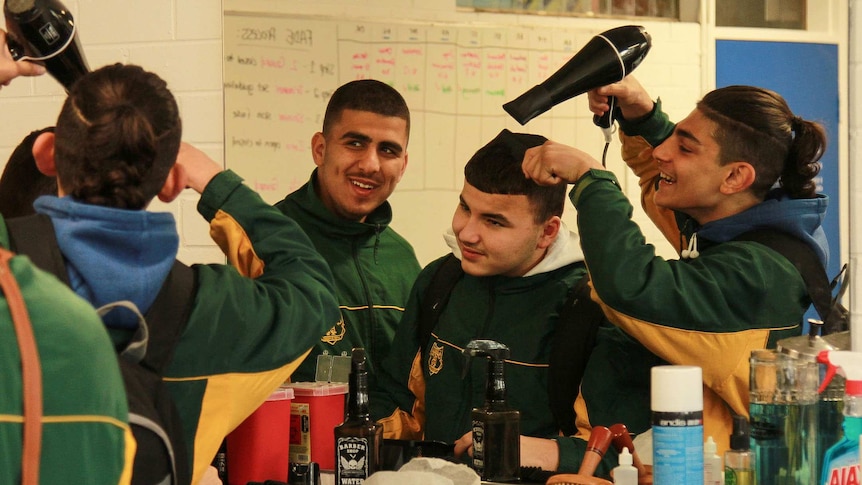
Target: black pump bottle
<point>496,426</point>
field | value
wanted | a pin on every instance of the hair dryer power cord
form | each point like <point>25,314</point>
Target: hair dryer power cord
<point>609,135</point>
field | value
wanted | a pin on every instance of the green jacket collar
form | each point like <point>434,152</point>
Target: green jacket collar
<point>315,213</point>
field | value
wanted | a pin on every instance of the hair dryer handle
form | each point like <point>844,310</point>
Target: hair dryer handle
<point>606,120</point>
<point>15,48</point>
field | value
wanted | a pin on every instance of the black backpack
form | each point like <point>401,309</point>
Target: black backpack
<point>834,317</point>
<point>580,317</point>
<point>161,456</point>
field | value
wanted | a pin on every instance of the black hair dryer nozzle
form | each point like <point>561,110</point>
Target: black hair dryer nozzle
<point>607,58</point>
<point>44,31</point>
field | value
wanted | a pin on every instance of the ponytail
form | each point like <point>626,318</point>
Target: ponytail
<point>806,149</point>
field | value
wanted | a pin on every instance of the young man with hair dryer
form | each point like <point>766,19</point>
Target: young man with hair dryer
<point>706,181</point>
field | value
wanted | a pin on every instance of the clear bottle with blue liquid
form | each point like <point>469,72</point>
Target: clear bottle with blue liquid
<point>841,461</point>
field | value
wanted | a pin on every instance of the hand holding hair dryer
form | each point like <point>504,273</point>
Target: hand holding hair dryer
<point>44,31</point>
<point>607,58</point>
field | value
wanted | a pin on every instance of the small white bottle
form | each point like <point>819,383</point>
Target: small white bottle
<point>625,473</point>
<point>712,466</point>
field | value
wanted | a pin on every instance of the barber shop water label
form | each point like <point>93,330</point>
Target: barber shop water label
<point>352,455</point>
<point>478,446</point>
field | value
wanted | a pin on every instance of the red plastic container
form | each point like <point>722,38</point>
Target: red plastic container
<point>258,449</point>
<point>317,408</point>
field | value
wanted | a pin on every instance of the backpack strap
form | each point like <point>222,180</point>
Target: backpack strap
<point>31,373</point>
<point>436,297</point>
<point>573,342</point>
<point>167,317</point>
<point>137,348</point>
<point>806,262</point>
<point>34,236</point>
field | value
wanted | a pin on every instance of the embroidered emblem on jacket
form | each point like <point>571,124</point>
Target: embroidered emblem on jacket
<point>335,334</point>
<point>435,358</point>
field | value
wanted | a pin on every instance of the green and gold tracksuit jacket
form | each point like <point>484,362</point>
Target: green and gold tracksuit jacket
<point>374,269</point>
<point>709,311</point>
<point>251,322</point>
<point>433,399</point>
<point>85,432</point>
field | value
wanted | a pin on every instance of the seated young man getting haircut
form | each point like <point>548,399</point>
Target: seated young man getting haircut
<point>519,263</point>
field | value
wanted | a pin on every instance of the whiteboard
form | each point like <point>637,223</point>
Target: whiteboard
<point>280,71</point>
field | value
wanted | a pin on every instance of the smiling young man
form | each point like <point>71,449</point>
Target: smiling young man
<point>740,162</point>
<point>519,263</point>
<point>361,155</point>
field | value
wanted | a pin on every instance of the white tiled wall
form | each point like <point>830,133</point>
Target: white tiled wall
<point>181,41</point>
<point>178,39</point>
<point>672,69</point>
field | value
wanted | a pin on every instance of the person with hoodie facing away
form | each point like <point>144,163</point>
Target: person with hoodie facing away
<point>360,156</point>
<point>705,182</point>
<point>519,263</point>
<point>117,146</point>
<point>85,435</point>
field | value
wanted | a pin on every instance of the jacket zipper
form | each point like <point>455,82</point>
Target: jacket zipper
<point>369,331</point>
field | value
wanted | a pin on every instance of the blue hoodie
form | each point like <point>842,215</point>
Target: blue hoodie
<point>113,254</point>
<point>802,218</point>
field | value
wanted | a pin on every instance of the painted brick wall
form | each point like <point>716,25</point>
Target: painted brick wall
<point>178,39</point>
<point>181,41</point>
<point>672,70</point>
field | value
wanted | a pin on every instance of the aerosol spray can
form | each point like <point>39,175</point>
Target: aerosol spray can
<point>677,424</point>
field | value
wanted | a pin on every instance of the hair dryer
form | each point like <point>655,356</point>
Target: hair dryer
<point>607,58</point>
<point>44,31</point>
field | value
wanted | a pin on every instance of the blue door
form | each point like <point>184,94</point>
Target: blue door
<point>806,75</point>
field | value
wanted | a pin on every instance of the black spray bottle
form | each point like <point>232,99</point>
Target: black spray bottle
<point>496,426</point>
<point>358,440</point>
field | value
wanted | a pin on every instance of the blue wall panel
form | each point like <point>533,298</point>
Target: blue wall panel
<point>806,75</point>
